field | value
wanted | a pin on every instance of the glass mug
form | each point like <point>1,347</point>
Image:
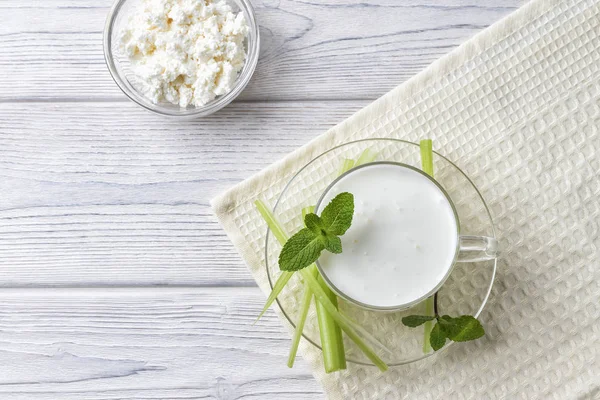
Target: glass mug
<point>469,248</point>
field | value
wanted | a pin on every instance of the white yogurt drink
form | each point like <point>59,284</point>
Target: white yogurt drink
<point>403,238</point>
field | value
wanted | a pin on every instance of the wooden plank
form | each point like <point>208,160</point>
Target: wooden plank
<point>337,49</point>
<point>145,344</point>
<point>106,194</point>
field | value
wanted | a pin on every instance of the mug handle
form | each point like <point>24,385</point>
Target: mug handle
<point>477,248</point>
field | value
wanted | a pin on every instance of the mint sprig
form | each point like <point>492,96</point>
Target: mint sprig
<point>321,233</point>
<point>458,329</point>
<point>330,241</point>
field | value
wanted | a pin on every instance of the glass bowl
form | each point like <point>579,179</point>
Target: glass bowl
<point>465,291</point>
<point>119,66</point>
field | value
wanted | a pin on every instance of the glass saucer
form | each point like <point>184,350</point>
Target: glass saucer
<point>466,291</point>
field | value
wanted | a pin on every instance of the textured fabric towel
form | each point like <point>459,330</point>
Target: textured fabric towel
<point>518,108</point>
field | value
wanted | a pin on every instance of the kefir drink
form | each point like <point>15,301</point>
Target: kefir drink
<point>402,241</point>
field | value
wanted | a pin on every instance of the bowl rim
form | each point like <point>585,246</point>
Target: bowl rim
<point>436,288</point>
<point>379,139</point>
<point>253,50</point>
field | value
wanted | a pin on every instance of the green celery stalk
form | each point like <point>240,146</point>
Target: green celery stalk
<point>426,147</point>
<point>346,165</point>
<point>346,324</point>
<point>307,210</point>
<point>277,288</point>
<point>366,156</point>
<point>281,236</point>
<point>334,357</point>
<point>342,321</point>
<point>304,307</point>
<point>332,342</point>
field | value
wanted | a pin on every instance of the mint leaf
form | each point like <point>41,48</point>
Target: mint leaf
<point>463,328</point>
<point>437,337</point>
<point>337,216</point>
<point>300,250</point>
<point>332,243</point>
<point>315,224</point>
<point>416,320</point>
<point>305,247</point>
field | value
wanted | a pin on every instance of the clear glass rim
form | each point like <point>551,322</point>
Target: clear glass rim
<point>215,105</point>
<point>289,183</point>
<point>401,307</point>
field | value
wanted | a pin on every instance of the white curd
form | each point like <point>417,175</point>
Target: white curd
<point>185,51</point>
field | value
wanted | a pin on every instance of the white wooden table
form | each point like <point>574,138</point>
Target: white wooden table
<point>116,280</point>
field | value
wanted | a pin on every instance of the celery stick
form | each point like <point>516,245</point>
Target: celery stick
<point>334,356</point>
<point>304,306</point>
<point>346,165</point>
<point>342,321</point>
<point>277,288</point>
<point>307,210</point>
<point>332,343</point>
<point>427,166</point>
<point>366,156</point>
<point>427,156</point>
<point>280,234</point>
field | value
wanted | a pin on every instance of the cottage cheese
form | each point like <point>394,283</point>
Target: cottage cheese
<point>185,51</point>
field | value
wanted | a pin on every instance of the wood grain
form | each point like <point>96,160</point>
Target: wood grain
<point>335,49</point>
<point>96,193</point>
<point>99,194</point>
<point>145,344</point>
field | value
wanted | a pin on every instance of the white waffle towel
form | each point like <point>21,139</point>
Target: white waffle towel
<point>518,108</point>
